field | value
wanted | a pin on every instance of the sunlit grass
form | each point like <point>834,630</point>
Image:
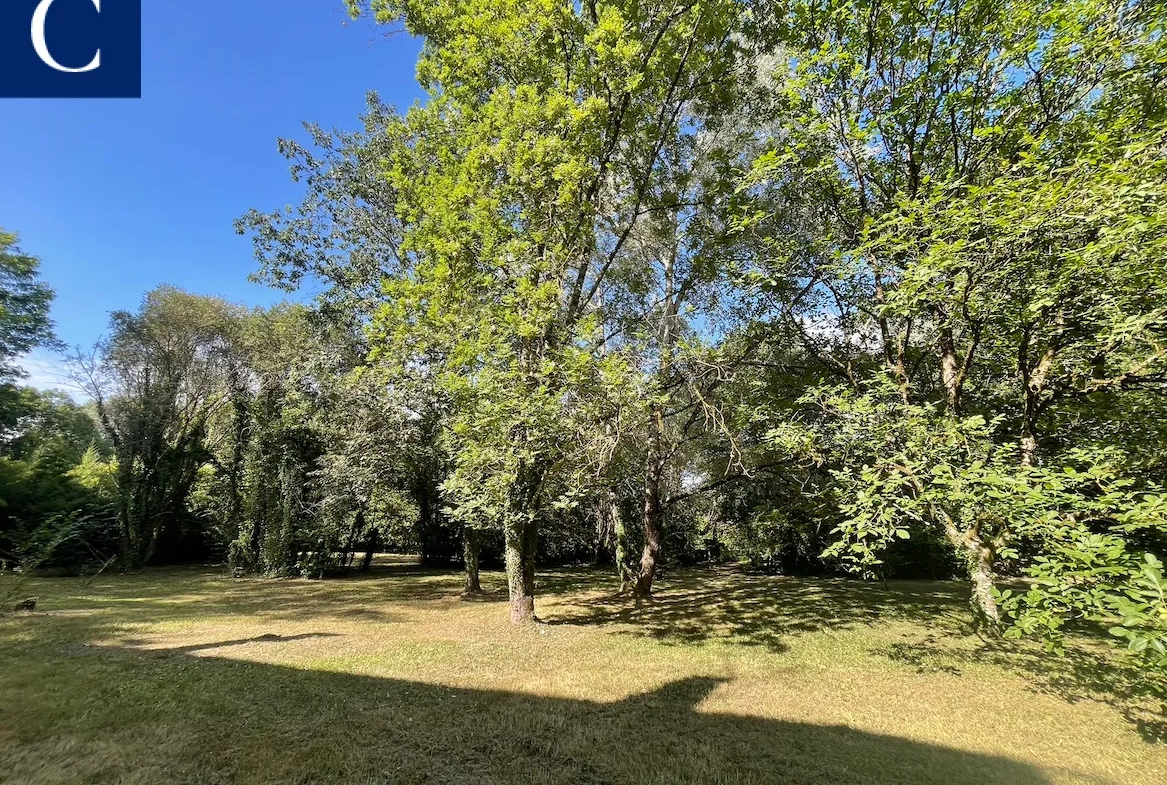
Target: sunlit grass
<point>188,676</point>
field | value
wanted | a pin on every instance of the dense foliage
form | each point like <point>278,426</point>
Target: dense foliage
<point>54,484</point>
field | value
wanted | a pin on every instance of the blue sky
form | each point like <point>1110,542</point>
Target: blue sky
<point>118,196</point>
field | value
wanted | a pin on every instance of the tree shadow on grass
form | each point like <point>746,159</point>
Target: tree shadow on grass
<point>1088,670</point>
<point>117,715</point>
<point>196,647</point>
<point>760,610</point>
<point>694,606</point>
<point>691,606</point>
<point>485,596</point>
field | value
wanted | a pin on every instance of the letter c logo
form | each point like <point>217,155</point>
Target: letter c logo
<point>42,47</point>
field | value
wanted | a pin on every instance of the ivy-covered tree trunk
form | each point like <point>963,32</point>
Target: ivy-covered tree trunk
<point>624,567</point>
<point>146,500</point>
<point>139,496</point>
<point>136,547</point>
<point>519,534</point>
<point>128,525</point>
<point>605,536</point>
<point>241,417</point>
<point>278,547</point>
<point>470,548</point>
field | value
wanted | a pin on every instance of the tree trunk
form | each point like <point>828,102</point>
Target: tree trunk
<point>894,352</point>
<point>655,464</point>
<point>238,451</point>
<point>1028,446</point>
<point>519,536</point>
<point>129,525</point>
<point>978,558</point>
<point>1034,392</point>
<point>424,524</point>
<point>714,548</point>
<point>623,548</point>
<point>950,371</point>
<point>138,540</point>
<point>653,519</point>
<point>370,549</point>
<point>980,569</point>
<point>604,533</point>
<point>131,550</point>
<point>1034,378</point>
<point>470,557</point>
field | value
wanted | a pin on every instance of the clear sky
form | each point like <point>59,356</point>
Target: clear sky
<point>118,196</point>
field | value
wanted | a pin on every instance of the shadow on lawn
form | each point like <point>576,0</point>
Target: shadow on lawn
<point>691,606</point>
<point>1084,672</point>
<point>203,719</point>
<point>195,647</point>
<point>760,610</point>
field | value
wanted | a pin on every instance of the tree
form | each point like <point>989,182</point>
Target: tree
<point>155,382</point>
<point>24,306</point>
<point>519,185</point>
<point>54,485</point>
<point>380,466</point>
<point>826,285</point>
<point>345,236</point>
<point>974,228</point>
<point>49,518</point>
<point>893,102</point>
<point>25,301</point>
<point>1054,268</point>
<point>677,269</point>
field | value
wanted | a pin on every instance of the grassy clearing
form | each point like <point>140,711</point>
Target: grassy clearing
<point>188,676</point>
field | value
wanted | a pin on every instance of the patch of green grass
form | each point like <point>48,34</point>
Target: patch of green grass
<point>187,676</point>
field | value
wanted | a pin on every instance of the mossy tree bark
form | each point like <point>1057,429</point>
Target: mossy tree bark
<point>519,536</point>
<point>470,549</point>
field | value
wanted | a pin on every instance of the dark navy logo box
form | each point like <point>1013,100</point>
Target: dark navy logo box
<point>70,48</point>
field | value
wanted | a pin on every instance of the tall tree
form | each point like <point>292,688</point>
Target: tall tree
<point>920,124</point>
<point>156,381</point>
<point>24,305</point>
<point>520,182</point>
<point>25,301</point>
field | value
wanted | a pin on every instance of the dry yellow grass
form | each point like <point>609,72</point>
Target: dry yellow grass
<point>189,676</point>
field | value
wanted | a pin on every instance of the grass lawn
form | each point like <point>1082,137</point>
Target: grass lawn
<point>188,676</point>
